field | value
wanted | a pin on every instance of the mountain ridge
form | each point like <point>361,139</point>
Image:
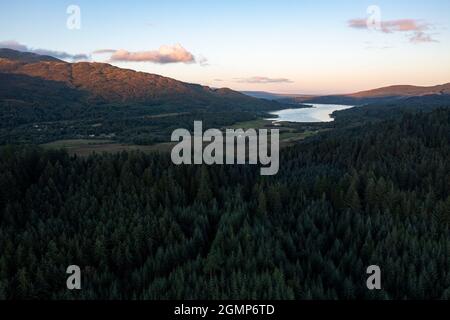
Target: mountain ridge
<point>112,84</point>
<point>26,57</point>
<point>404,90</point>
<point>382,94</point>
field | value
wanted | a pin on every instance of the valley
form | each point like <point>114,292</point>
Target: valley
<point>86,178</point>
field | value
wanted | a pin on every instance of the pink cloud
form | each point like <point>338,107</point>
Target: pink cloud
<point>402,25</point>
<point>389,26</point>
<point>263,80</point>
<point>416,28</point>
<point>165,54</point>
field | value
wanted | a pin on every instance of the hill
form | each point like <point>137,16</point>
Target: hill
<point>384,94</point>
<point>43,99</point>
<point>391,109</point>
<point>379,95</point>
<point>403,91</point>
<point>110,84</point>
<point>25,57</point>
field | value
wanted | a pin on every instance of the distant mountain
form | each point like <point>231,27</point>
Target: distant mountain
<point>281,97</point>
<point>404,91</point>
<point>263,95</point>
<point>385,94</point>
<point>26,57</point>
<point>380,95</point>
<point>105,83</point>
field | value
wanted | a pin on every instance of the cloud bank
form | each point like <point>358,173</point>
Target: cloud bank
<point>14,45</point>
<point>164,55</point>
<point>416,29</point>
<point>263,80</point>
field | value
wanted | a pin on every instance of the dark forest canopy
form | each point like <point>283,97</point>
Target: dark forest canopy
<point>142,228</point>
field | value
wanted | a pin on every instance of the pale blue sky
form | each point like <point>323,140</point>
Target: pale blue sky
<point>308,43</point>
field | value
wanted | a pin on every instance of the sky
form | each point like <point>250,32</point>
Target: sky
<point>308,47</point>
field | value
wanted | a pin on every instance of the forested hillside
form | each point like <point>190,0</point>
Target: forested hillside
<point>142,228</point>
<point>391,109</point>
<point>43,99</point>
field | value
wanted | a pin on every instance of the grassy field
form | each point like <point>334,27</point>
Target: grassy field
<point>255,124</point>
<point>289,134</point>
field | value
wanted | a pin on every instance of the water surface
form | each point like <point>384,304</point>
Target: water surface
<point>317,113</point>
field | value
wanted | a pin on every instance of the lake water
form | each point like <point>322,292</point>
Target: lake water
<point>317,113</point>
